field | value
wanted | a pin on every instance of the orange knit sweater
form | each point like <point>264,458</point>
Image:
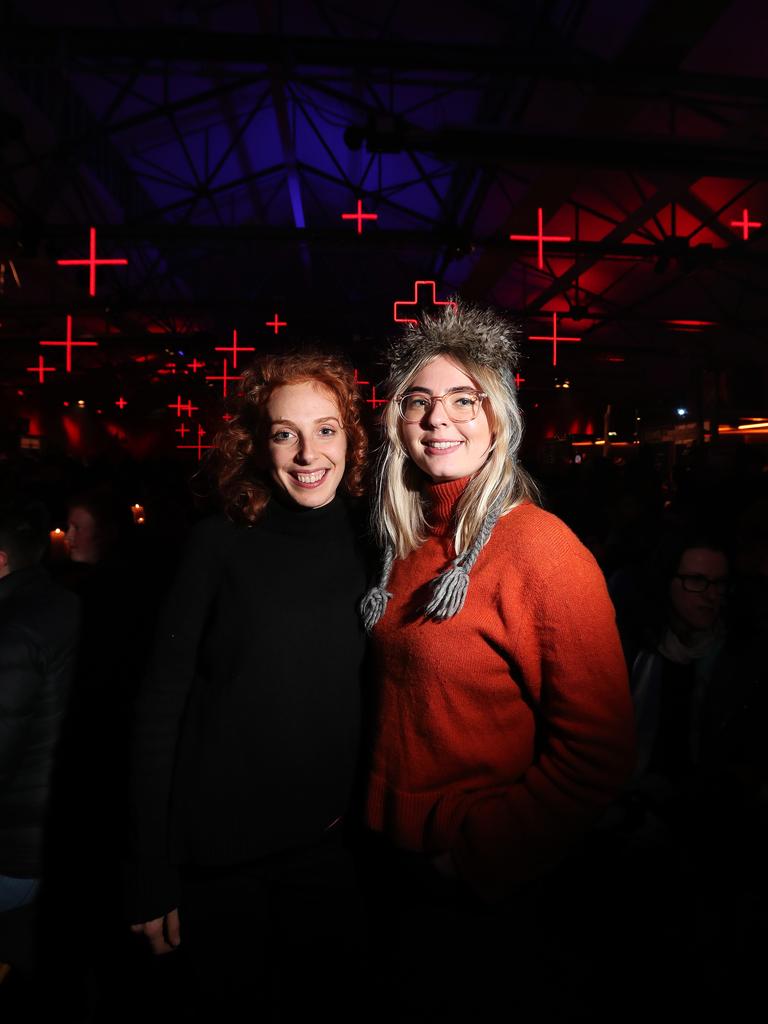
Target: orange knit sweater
<point>501,732</point>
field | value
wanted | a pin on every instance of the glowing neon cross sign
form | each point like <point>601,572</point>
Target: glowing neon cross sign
<point>225,378</point>
<point>195,366</point>
<point>69,344</point>
<point>356,379</point>
<point>41,369</point>
<point>182,429</point>
<point>199,446</point>
<point>746,224</point>
<point>92,262</point>
<point>359,216</point>
<point>188,408</point>
<point>554,337</point>
<point>374,401</point>
<point>121,402</point>
<point>235,349</point>
<point>519,380</point>
<point>541,238</point>
<point>414,303</point>
<point>277,324</point>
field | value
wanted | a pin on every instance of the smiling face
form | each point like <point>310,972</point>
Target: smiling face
<point>306,443</point>
<point>445,450</point>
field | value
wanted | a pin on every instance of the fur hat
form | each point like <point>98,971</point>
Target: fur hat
<point>481,335</point>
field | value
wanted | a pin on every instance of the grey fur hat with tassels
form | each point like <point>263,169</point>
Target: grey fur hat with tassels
<point>482,335</point>
<point>486,338</point>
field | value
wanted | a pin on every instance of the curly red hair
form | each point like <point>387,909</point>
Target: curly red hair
<point>243,486</point>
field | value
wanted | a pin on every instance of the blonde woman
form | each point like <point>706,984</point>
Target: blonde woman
<point>504,721</point>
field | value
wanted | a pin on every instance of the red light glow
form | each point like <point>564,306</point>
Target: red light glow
<point>540,238</point>
<point>374,401</point>
<point>414,302</point>
<point>224,378</point>
<point>359,216</point>
<point>188,408</point>
<point>69,344</point>
<point>745,224</point>
<point>92,262</point>
<point>234,349</point>
<point>519,380</point>
<point>41,369</point>
<point>277,324</point>
<point>554,337</point>
<point>358,381</point>
<point>195,366</point>
<point>121,403</point>
<point>199,446</point>
<point>182,429</point>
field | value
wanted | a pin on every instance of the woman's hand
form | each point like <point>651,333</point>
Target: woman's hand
<point>162,933</point>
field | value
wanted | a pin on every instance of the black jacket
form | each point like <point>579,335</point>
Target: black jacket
<point>38,634</point>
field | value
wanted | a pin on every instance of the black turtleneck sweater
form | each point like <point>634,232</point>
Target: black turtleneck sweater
<point>248,723</point>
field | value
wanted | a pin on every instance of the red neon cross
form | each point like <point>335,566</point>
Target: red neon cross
<point>41,369</point>
<point>182,429</point>
<point>519,380</point>
<point>415,302</point>
<point>554,337</point>
<point>359,216</point>
<point>235,349</point>
<point>199,446</point>
<point>746,224</point>
<point>195,365</point>
<point>121,402</point>
<point>374,401</point>
<point>541,238</point>
<point>188,408</point>
<point>92,262</point>
<point>69,344</point>
<point>358,381</point>
<point>277,324</point>
<point>225,378</point>
<point>226,417</point>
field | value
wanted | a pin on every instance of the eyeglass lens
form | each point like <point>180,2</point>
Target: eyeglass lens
<point>459,405</point>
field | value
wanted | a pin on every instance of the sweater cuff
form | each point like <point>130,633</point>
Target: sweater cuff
<point>150,890</point>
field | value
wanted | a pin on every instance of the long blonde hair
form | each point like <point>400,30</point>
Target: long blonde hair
<point>484,345</point>
<point>398,512</point>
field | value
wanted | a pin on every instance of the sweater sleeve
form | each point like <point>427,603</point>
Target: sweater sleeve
<point>151,881</point>
<point>570,655</point>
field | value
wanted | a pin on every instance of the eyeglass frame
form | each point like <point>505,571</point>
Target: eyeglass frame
<point>721,585</point>
<point>481,395</point>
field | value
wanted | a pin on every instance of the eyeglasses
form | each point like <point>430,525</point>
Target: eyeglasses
<point>695,583</point>
<point>460,406</point>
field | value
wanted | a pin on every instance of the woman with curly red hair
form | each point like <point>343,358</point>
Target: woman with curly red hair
<point>247,726</point>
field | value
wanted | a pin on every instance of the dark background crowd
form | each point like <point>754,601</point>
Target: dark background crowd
<point>664,904</point>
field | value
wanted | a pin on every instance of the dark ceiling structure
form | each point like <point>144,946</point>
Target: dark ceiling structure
<point>291,170</point>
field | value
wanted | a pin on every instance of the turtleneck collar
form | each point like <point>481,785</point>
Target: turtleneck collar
<point>283,515</point>
<point>441,501</point>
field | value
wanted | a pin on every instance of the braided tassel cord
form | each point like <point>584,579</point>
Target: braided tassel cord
<point>449,589</point>
<point>374,603</point>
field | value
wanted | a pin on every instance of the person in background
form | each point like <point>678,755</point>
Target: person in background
<point>504,721</point>
<point>38,636</point>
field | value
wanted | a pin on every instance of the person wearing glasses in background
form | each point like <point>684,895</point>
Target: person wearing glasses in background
<point>672,672</point>
<point>504,722</point>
